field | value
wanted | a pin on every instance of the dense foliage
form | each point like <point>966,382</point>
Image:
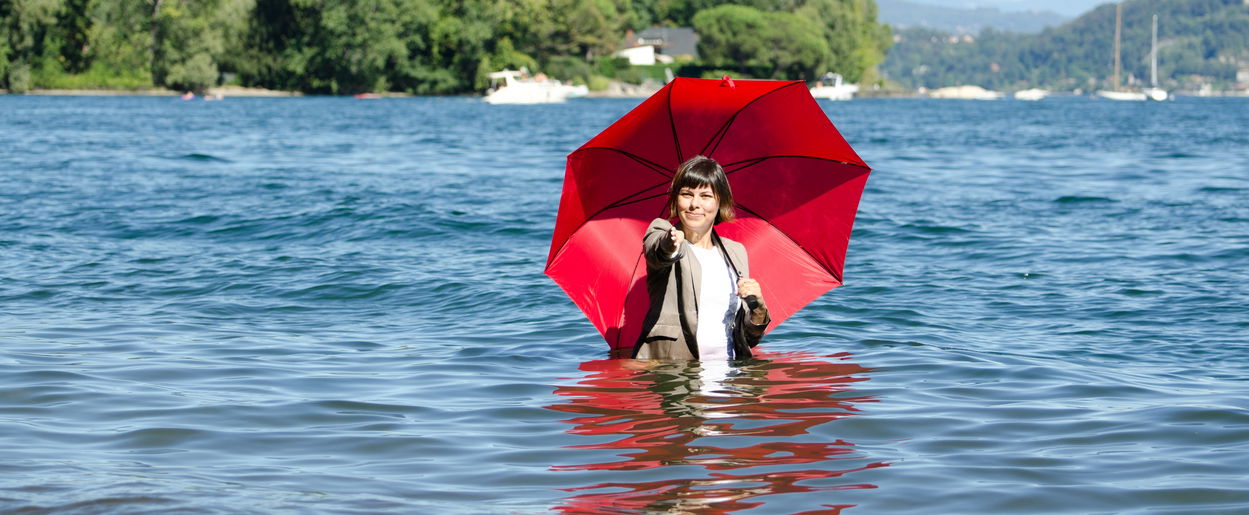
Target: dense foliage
<point>1199,42</point>
<point>417,46</point>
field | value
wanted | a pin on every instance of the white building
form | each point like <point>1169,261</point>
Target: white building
<point>639,55</point>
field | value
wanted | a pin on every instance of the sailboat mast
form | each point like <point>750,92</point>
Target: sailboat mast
<point>1118,27</point>
<point>1153,56</point>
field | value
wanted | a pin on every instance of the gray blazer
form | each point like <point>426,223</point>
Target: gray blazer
<point>673,283</point>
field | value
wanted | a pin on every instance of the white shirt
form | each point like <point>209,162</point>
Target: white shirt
<point>717,303</point>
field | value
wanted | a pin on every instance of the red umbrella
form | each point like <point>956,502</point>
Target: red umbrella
<point>796,181</point>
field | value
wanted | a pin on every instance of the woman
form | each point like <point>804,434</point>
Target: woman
<point>697,280</point>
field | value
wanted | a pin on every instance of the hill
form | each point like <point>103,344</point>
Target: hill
<point>1067,8</point>
<point>903,14</point>
<point>1200,42</point>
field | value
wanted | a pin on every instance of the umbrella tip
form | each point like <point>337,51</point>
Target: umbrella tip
<point>727,82</point>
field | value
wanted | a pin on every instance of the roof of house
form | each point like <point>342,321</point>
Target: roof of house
<point>673,41</point>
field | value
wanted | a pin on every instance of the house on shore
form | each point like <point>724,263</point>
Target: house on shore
<point>661,45</point>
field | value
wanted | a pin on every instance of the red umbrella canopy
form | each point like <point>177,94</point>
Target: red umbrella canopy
<point>795,180</point>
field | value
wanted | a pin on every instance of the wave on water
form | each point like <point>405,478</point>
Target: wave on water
<point>1178,155</point>
<point>1082,199</point>
<point>203,158</point>
<point>1222,189</point>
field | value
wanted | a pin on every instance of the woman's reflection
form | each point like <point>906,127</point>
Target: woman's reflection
<point>686,417</point>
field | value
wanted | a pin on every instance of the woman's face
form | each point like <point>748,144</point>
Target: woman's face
<point>697,207</point>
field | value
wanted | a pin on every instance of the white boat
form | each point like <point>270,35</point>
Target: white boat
<point>1135,96</point>
<point>832,87</point>
<point>576,91</point>
<point>1031,94</point>
<point>1116,93</point>
<point>517,87</point>
<point>967,92</point>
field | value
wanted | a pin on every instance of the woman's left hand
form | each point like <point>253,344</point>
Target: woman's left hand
<point>747,287</point>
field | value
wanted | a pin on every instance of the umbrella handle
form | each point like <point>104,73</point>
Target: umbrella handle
<point>752,302</point>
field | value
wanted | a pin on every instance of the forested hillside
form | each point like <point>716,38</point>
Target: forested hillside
<point>903,14</point>
<point>1199,42</point>
<point>415,46</point>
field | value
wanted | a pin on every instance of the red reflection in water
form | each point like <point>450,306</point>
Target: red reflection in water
<point>672,414</point>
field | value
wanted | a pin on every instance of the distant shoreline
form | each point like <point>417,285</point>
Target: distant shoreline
<point>615,90</point>
<point>223,91</point>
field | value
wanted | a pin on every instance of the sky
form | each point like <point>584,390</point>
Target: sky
<point>1070,8</point>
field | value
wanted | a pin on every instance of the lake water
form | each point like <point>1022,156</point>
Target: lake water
<point>331,305</point>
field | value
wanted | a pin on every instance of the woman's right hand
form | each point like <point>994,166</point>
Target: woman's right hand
<point>676,237</point>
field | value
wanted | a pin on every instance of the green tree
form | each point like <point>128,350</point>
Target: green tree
<point>593,26</point>
<point>339,47</point>
<point>681,13</point>
<point>463,39</point>
<point>190,38</point>
<point>856,41</point>
<point>29,27</point>
<point>72,26</point>
<point>120,42</point>
<point>760,44</point>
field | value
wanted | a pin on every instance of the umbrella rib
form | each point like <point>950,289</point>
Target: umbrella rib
<point>791,240</point>
<point>676,140</point>
<point>626,199</point>
<point>718,136</point>
<point>724,129</point>
<point>747,163</point>
<point>654,167</point>
<point>754,161</point>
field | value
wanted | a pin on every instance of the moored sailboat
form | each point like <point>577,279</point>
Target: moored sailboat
<point>1117,93</point>
<point>1153,92</point>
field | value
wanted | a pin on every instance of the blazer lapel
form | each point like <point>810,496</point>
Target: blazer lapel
<point>736,261</point>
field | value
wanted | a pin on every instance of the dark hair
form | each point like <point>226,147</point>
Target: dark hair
<point>699,171</point>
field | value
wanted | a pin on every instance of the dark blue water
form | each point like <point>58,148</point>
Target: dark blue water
<point>330,305</point>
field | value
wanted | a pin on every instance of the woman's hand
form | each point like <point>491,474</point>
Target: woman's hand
<point>676,237</point>
<point>747,287</point>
